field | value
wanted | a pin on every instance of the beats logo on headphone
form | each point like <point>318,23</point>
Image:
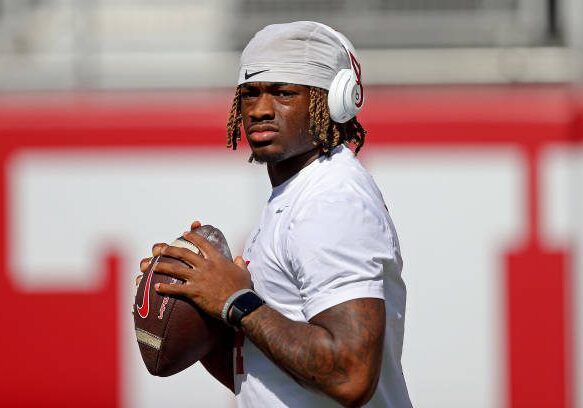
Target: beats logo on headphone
<point>359,90</point>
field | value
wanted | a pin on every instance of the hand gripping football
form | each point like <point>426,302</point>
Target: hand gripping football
<point>173,333</point>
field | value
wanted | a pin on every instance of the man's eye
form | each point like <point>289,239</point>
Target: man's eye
<point>284,93</point>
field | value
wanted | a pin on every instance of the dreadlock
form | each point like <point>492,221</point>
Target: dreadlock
<point>234,122</point>
<point>326,133</point>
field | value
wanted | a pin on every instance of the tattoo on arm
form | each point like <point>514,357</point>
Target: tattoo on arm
<point>339,352</point>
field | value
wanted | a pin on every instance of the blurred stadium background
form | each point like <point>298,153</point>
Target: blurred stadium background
<point>111,138</point>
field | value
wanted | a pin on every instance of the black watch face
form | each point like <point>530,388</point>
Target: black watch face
<point>243,305</point>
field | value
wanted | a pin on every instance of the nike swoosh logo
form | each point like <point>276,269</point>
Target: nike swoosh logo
<point>247,76</point>
<point>280,210</point>
<point>144,308</point>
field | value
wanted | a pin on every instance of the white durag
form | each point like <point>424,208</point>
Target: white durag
<point>302,52</point>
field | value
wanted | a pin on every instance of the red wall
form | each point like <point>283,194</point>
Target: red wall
<point>55,354</point>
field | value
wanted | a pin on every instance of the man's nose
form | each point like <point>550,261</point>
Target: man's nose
<point>263,108</point>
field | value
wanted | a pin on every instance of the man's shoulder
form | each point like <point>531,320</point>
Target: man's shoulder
<point>342,177</point>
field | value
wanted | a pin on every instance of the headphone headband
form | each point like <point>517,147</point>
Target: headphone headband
<point>345,103</point>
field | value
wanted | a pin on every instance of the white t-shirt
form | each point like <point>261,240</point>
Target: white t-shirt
<point>325,237</point>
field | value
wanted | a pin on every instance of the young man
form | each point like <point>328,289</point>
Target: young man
<point>317,294</point>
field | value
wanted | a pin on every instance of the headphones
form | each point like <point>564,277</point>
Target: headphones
<point>346,94</point>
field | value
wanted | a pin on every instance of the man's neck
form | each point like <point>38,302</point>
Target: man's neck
<point>282,171</point>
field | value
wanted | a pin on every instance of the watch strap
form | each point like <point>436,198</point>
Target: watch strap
<point>229,303</point>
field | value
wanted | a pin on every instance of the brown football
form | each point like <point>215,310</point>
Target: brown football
<point>173,333</point>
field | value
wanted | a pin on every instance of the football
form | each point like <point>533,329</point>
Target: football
<point>173,333</point>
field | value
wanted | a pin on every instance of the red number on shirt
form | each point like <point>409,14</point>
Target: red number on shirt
<point>239,340</point>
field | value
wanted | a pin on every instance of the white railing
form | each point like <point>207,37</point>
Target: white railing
<point>105,44</point>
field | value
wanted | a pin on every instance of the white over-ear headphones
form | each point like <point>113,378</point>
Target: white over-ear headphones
<point>346,94</point>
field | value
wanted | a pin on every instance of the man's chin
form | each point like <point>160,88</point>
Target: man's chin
<point>267,158</point>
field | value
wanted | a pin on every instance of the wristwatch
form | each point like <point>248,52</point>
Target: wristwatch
<point>239,305</point>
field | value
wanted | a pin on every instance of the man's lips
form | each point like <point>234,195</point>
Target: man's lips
<point>259,137</point>
<point>262,133</point>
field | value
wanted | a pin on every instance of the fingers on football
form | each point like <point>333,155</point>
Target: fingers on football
<point>195,225</point>
<point>183,254</point>
<point>145,264</point>
<point>174,270</point>
<point>240,262</point>
<point>169,289</point>
<point>205,247</point>
<point>157,248</point>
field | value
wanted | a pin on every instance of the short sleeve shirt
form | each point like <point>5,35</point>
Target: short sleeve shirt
<point>325,237</point>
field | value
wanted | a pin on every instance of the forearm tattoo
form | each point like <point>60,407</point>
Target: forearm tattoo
<point>326,354</point>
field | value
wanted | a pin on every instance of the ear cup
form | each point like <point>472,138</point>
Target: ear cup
<point>342,96</point>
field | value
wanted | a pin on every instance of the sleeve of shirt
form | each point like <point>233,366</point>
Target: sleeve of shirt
<point>339,251</point>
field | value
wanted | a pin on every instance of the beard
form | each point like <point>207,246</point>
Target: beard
<point>267,158</point>
<point>263,157</point>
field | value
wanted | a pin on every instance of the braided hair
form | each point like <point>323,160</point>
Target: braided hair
<point>326,133</point>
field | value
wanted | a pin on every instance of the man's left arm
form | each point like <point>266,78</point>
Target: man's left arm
<point>339,352</point>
